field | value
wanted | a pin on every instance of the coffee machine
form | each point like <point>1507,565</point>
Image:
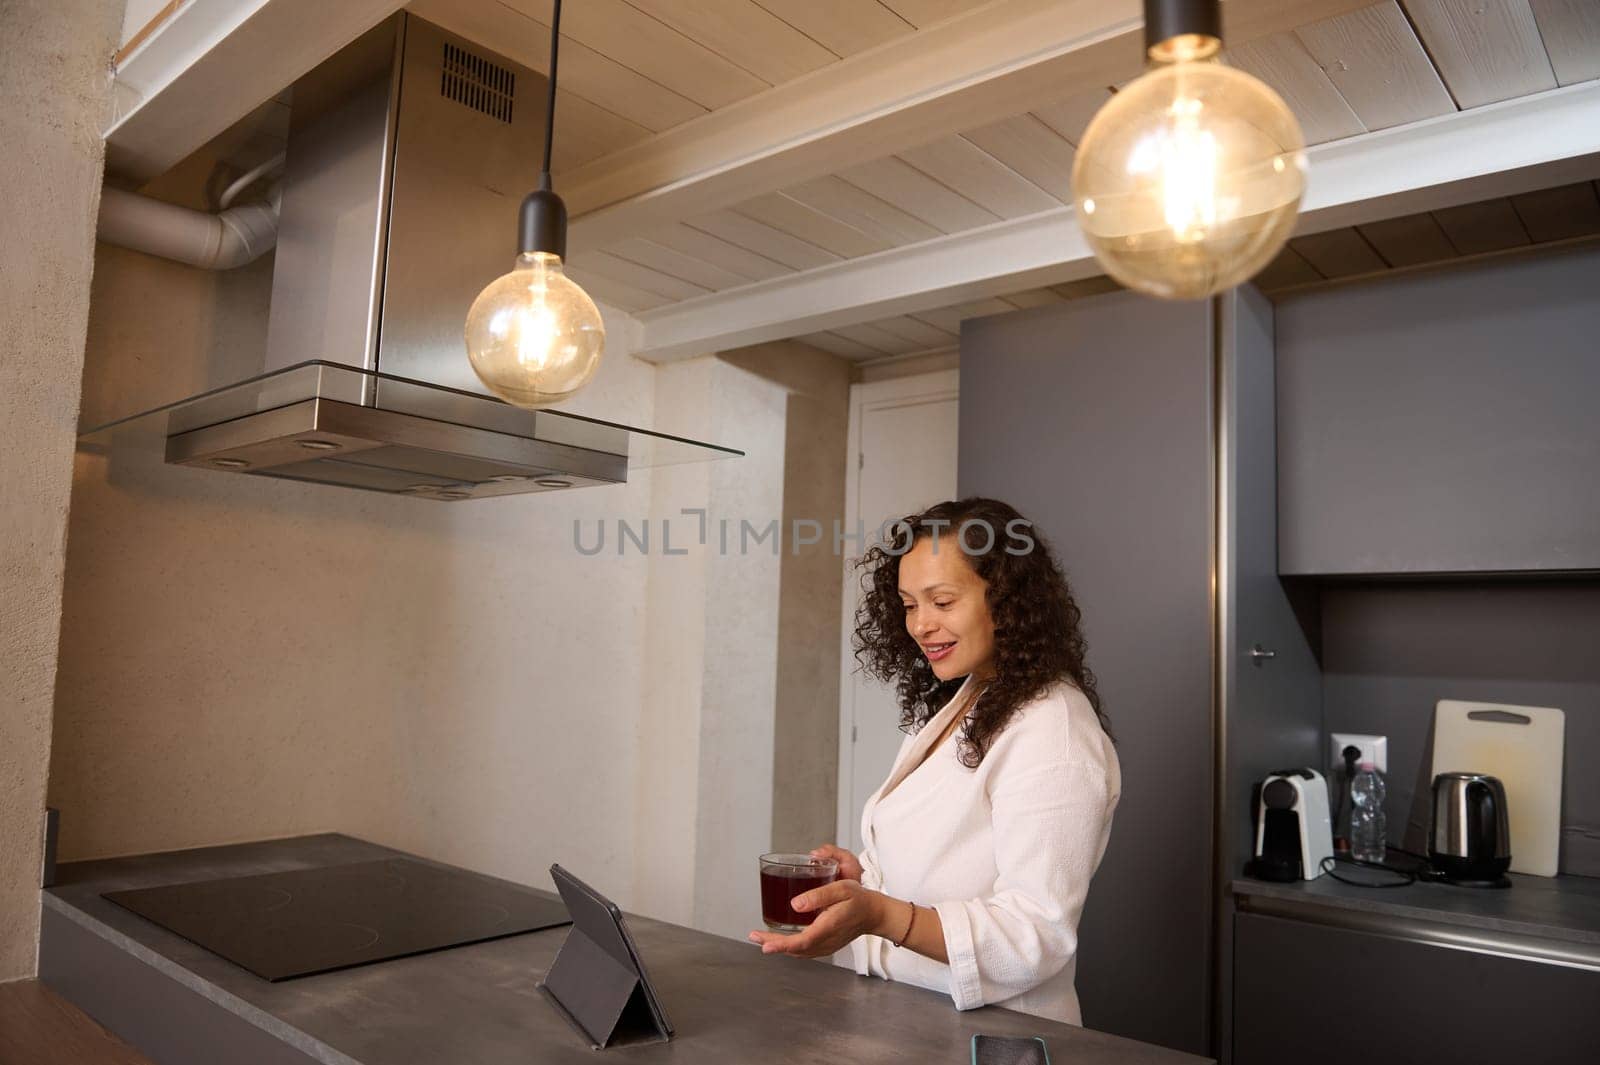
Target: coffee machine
<point>1293,834</point>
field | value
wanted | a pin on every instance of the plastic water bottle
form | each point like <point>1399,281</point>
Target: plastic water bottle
<point>1368,830</point>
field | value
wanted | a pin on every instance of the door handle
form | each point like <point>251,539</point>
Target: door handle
<point>1261,654</point>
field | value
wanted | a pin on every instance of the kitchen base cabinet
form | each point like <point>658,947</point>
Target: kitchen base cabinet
<point>172,1023</point>
<point>1314,994</point>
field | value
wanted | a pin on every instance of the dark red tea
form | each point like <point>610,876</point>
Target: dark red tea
<point>779,886</point>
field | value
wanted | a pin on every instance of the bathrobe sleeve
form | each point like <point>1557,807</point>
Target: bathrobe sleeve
<point>861,947</point>
<point>1050,823</point>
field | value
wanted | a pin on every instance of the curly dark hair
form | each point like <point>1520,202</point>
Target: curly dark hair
<point>1037,638</point>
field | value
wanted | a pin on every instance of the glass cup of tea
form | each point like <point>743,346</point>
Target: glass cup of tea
<point>783,876</point>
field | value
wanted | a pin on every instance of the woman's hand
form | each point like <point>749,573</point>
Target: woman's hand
<point>847,910</point>
<point>849,865</point>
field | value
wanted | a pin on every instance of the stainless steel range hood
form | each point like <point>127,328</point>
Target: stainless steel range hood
<point>408,155</point>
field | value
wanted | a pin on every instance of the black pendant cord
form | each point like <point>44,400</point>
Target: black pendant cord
<point>542,222</point>
<point>550,104</point>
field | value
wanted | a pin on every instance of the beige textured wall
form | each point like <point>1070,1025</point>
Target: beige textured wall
<point>711,661</point>
<point>736,792</point>
<point>54,86</point>
<point>243,658</point>
<point>666,800</point>
<point>739,748</point>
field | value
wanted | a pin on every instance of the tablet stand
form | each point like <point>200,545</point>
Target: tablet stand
<point>598,995</point>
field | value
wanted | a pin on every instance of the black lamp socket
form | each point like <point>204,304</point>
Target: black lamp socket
<point>1166,19</point>
<point>542,223</point>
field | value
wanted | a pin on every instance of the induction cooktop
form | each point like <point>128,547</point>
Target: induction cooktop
<point>283,925</point>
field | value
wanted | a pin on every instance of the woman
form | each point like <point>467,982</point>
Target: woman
<point>979,847</point>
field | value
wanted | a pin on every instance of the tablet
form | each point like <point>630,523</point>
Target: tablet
<point>598,918</point>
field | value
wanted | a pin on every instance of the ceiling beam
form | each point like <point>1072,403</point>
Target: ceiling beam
<point>1502,149</point>
<point>211,62</point>
<point>994,62</point>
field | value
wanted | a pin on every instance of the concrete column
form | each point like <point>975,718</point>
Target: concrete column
<point>54,79</point>
<point>805,768</point>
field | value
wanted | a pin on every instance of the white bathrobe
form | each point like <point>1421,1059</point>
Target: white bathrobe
<point>1003,852</point>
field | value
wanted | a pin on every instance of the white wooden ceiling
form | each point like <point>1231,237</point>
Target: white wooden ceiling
<point>938,330</point>
<point>1387,64</point>
<point>1488,227</point>
<point>1008,169</point>
<point>740,167</point>
<point>1504,224</point>
<point>632,68</point>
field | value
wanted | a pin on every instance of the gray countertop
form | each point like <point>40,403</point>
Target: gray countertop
<point>478,1004</point>
<point>1564,909</point>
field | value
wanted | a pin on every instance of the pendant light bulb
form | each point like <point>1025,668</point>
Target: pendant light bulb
<point>1188,181</point>
<point>534,337</point>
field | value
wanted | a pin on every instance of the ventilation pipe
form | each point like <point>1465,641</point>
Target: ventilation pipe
<point>221,241</point>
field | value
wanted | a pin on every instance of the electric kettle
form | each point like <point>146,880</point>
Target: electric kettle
<point>1469,841</point>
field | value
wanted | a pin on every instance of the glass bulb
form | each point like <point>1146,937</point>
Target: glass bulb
<point>534,337</point>
<point>1188,181</point>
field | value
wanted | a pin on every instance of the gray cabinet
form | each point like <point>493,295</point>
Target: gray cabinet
<point>1138,436</point>
<point>1181,457</point>
<point>1320,995</point>
<point>1443,422</point>
<point>1094,419</point>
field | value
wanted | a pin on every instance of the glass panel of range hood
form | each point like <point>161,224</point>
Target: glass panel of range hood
<point>330,423</point>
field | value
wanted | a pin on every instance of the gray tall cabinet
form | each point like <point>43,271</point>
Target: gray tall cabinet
<point>1139,437</point>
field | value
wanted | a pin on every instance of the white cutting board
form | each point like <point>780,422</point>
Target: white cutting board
<point>1525,754</point>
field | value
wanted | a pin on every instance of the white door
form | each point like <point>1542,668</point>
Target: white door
<point>904,432</point>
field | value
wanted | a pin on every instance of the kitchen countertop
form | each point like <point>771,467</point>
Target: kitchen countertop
<point>478,1004</point>
<point>1560,909</point>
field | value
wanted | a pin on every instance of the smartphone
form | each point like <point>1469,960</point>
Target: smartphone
<point>1006,1050</point>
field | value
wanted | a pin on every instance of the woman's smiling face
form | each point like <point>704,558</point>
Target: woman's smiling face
<point>946,609</point>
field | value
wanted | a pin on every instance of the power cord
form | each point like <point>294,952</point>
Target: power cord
<point>1406,877</point>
